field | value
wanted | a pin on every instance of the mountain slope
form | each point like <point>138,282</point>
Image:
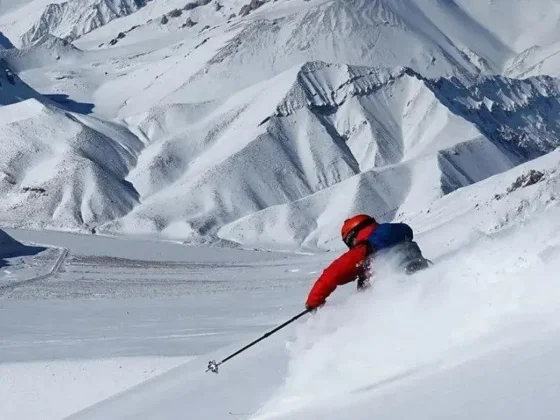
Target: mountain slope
<point>356,32</point>
<point>61,177</point>
<point>327,135</point>
<point>69,20</point>
<point>236,123</point>
<point>60,170</point>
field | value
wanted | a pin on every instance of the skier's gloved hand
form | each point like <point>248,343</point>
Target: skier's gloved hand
<point>313,306</point>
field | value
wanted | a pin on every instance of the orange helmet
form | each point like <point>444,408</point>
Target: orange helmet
<point>352,226</point>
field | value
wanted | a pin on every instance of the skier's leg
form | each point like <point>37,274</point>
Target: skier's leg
<point>417,265</point>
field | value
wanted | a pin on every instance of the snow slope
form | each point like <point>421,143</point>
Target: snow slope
<point>263,125</point>
<point>465,328</point>
<point>123,310</point>
<point>478,303</point>
<point>37,386</point>
<point>480,327</point>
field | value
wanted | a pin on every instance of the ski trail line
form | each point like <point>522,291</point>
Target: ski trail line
<point>53,271</point>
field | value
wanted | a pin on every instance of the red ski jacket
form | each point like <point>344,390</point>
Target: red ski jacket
<point>344,269</point>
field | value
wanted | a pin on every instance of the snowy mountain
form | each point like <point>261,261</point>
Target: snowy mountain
<point>339,127</point>
<point>485,313</point>
<point>69,19</point>
<point>138,126</point>
<point>58,169</point>
<point>267,123</point>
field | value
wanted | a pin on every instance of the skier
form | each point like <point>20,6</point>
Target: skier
<point>365,239</point>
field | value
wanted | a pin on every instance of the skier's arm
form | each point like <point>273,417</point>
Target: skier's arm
<point>341,271</point>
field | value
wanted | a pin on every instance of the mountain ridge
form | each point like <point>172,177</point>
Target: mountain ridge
<point>206,124</point>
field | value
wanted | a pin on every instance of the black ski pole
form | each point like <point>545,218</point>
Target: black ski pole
<point>213,366</point>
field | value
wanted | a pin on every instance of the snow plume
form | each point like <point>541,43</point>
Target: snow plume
<point>488,297</point>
